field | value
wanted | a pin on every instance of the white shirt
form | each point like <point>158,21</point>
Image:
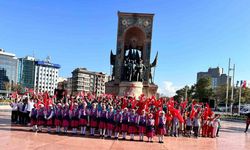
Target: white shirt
<point>14,106</point>
<point>30,105</point>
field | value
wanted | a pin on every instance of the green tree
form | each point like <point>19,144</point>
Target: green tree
<point>245,95</point>
<point>203,88</point>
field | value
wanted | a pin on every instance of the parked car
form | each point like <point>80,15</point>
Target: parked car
<point>223,109</point>
<point>245,110</point>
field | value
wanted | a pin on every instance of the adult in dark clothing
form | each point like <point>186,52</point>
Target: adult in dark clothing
<point>247,122</point>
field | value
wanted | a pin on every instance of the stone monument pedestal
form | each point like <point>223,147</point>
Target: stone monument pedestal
<point>130,89</point>
<point>125,88</point>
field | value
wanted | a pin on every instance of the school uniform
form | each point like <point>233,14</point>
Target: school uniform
<point>110,121</point>
<point>161,126</point>
<point>142,124</point>
<point>103,119</point>
<point>40,117</point>
<point>93,118</point>
<point>49,115</point>
<point>83,119</point>
<point>132,129</point>
<point>74,118</point>
<point>150,130</point>
<point>124,122</point>
<point>58,117</point>
<point>66,118</point>
<point>117,120</point>
<point>33,119</point>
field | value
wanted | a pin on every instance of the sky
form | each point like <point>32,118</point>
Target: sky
<point>189,35</point>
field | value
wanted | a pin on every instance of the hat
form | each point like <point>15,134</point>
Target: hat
<point>41,105</point>
<point>59,104</point>
<point>50,105</point>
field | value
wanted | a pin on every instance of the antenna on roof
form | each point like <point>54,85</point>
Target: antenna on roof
<point>33,53</point>
<point>48,59</point>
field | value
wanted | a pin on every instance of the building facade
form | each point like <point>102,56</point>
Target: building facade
<point>26,72</point>
<point>218,78</point>
<point>46,76</point>
<point>8,71</point>
<point>88,81</point>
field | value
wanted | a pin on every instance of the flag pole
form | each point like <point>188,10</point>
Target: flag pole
<point>232,93</point>
<point>227,83</point>
<point>239,99</point>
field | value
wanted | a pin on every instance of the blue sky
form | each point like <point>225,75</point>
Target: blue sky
<point>189,35</point>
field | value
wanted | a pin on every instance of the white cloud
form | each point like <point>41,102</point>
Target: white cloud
<point>168,88</point>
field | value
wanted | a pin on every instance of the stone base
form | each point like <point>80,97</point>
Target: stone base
<point>131,89</point>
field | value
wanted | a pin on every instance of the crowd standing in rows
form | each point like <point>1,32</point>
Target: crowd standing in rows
<point>113,115</point>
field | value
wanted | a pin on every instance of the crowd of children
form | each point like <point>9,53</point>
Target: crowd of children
<point>108,117</point>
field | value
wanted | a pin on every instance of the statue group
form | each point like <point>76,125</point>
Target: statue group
<point>133,67</point>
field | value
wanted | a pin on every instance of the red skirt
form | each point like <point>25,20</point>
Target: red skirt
<point>132,129</point>
<point>93,123</point>
<point>33,122</point>
<point>142,129</point>
<point>124,127</point>
<point>102,125</point>
<point>161,131</point>
<point>83,122</point>
<point>117,128</point>
<point>110,126</point>
<point>58,122</point>
<point>40,122</point>
<point>49,122</point>
<point>65,123</point>
<point>74,123</point>
<point>150,134</point>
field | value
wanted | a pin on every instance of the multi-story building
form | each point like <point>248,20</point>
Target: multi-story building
<point>88,81</point>
<point>68,86</point>
<point>8,71</point>
<point>26,72</point>
<point>46,76</point>
<point>217,76</point>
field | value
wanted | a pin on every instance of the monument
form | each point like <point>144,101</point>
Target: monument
<point>131,67</point>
